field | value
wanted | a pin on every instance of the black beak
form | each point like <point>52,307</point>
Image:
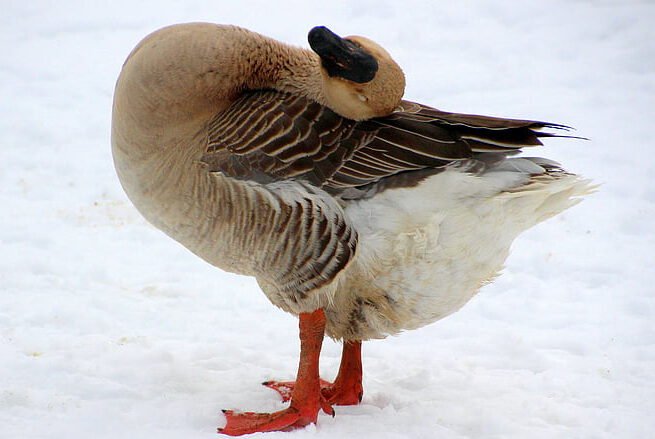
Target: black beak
<point>341,57</point>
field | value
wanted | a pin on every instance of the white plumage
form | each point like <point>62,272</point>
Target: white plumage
<point>431,247</point>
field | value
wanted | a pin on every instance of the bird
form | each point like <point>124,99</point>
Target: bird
<point>360,212</point>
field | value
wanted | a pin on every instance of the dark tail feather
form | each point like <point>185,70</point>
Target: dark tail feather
<point>484,133</point>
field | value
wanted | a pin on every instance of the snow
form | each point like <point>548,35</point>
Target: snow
<point>110,329</point>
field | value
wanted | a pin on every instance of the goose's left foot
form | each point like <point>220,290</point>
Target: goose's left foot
<point>347,387</point>
<point>306,397</point>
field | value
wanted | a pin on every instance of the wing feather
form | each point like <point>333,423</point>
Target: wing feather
<point>304,158</point>
<point>269,135</point>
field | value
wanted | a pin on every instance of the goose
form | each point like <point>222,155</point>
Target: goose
<point>359,212</point>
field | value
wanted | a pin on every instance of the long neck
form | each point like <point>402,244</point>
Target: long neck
<point>172,83</point>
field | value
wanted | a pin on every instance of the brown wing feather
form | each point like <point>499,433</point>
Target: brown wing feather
<point>267,136</point>
<point>291,151</point>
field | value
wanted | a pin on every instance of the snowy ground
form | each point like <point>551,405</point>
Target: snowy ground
<point>108,329</point>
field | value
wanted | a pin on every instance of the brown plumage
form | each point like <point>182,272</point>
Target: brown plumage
<point>268,136</point>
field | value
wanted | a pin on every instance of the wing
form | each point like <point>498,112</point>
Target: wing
<point>270,136</point>
<point>289,161</point>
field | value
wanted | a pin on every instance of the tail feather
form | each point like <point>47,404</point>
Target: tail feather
<point>546,194</point>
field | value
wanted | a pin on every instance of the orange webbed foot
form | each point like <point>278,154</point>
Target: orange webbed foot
<point>331,393</point>
<point>305,395</point>
<point>249,422</point>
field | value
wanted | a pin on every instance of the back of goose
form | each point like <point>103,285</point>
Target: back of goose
<point>362,213</point>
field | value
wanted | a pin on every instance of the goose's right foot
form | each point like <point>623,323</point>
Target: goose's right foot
<point>347,387</point>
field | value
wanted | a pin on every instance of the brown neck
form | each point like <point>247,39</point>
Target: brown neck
<point>172,83</point>
<point>174,76</point>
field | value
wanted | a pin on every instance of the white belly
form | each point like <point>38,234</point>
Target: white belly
<point>428,249</point>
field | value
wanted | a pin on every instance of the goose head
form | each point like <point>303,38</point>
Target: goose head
<point>360,79</point>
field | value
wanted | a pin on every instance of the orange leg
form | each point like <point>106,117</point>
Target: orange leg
<point>347,387</point>
<point>306,398</point>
